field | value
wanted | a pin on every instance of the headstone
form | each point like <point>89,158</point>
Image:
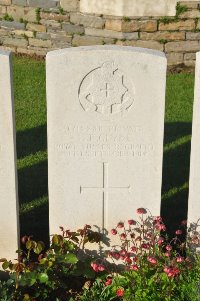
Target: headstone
<point>105,134</point>
<point>9,226</point>
<point>194,187</point>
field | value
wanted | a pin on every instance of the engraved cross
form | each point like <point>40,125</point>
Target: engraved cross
<point>105,189</point>
<point>107,89</point>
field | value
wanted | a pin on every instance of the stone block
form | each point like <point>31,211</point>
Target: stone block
<point>193,36</point>
<point>61,36</point>
<point>179,25</point>
<point>43,36</point>
<point>186,46</point>
<point>25,33</point>
<point>9,212</point>
<point>51,24</point>
<point>129,8</point>
<point>5,2</point>
<point>70,5</point>
<point>12,25</point>
<point>19,2</point>
<point>174,58</point>
<point>46,4</point>
<point>111,34</point>
<point>86,40</point>
<point>8,41</point>
<point>18,12</point>
<point>54,16</point>
<point>40,43</point>
<point>162,35</point>
<point>190,14</point>
<point>144,44</point>
<point>190,56</point>
<point>70,28</point>
<point>130,26</point>
<point>87,20</point>
<point>36,27</point>
<point>190,4</point>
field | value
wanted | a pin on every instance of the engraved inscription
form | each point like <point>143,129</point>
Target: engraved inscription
<point>105,91</point>
<point>105,189</point>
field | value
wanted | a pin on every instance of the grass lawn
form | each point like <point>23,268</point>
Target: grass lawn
<point>30,107</point>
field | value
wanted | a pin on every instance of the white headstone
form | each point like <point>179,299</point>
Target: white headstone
<point>9,226</point>
<point>194,187</point>
<point>105,134</point>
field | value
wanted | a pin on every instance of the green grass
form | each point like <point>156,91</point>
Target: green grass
<point>29,88</point>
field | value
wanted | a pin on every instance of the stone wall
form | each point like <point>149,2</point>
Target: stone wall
<point>34,27</point>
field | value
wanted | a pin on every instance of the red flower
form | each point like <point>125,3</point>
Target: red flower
<point>131,222</point>
<point>141,211</point>
<point>123,236</point>
<point>180,259</point>
<point>168,247</point>
<point>134,267</point>
<point>114,231</point>
<point>178,232</point>
<point>120,225</point>
<point>152,259</point>
<point>108,282</point>
<point>120,292</point>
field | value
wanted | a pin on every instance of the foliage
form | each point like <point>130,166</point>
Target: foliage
<point>8,17</point>
<point>144,266</point>
<point>180,9</point>
<point>56,273</point>
<point>154,268</point>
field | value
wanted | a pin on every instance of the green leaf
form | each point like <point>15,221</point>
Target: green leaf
<point>5,265</point>
<point>71,258</point>
<point>43,278</point>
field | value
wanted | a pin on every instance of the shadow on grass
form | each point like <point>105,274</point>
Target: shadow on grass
<point>176,165</point>
<point>31,141</point>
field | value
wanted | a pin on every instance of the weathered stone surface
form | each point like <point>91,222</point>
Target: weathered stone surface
<point>40,43</point>
<point>190,14</point>
<point>194,186</point>
<point>162,35</point>
<point>51,24</point>
<point>186,46</point>
<point>36,27</point>
<point>111,34</point>
<point>18,12</point>
<point>61,36</point>
<point>179,25</point>
<point>190,4</point>
<point>130,26</point>
<point>190,56</point>
<point>86,40</point>
<point>189,63</point>
<point>19,2</point>
<point>198,24</point>
<point>5,2</point>
<point>87,21</point>
<point>144,44</point>
<point>70,5</point>
<point>38,51</point>
<point>43,3</point>
<point>174,58</point>
<point>193,36</point>
<point>12,25</point>
<point>43,35</point>
<point>15,42</point>
<point>25,33</point>
<point>9,225</point>
<point>129,7</point>
<point>110,120</point>
<point>2,11</point>
<point>54,16</point>
<point>70,28</point>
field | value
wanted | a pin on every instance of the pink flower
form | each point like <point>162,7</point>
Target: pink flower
<point>94,265</point>
<point>108,282</point>
<point>123,236</point>
<point>141,211</point>
<point>160,241</point>
<point>101,268</point>
<point>120,225</point>
<point>131,222</point>
<point>160,227</point>
<point>114,231</point>
<point>168,247</point>
<point>167,254</point>
<point>120,292</point>
<point>179,232</point>
<point>145,246</point>
<point>116,255</point>
<point>134,249</point>
<point>128,260</point>
<point>134,267</point>
<point>152,259</point>
<point>158,219</point>
<point>180,259</point>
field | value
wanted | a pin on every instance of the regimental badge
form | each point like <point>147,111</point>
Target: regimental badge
<point>105,90</point>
